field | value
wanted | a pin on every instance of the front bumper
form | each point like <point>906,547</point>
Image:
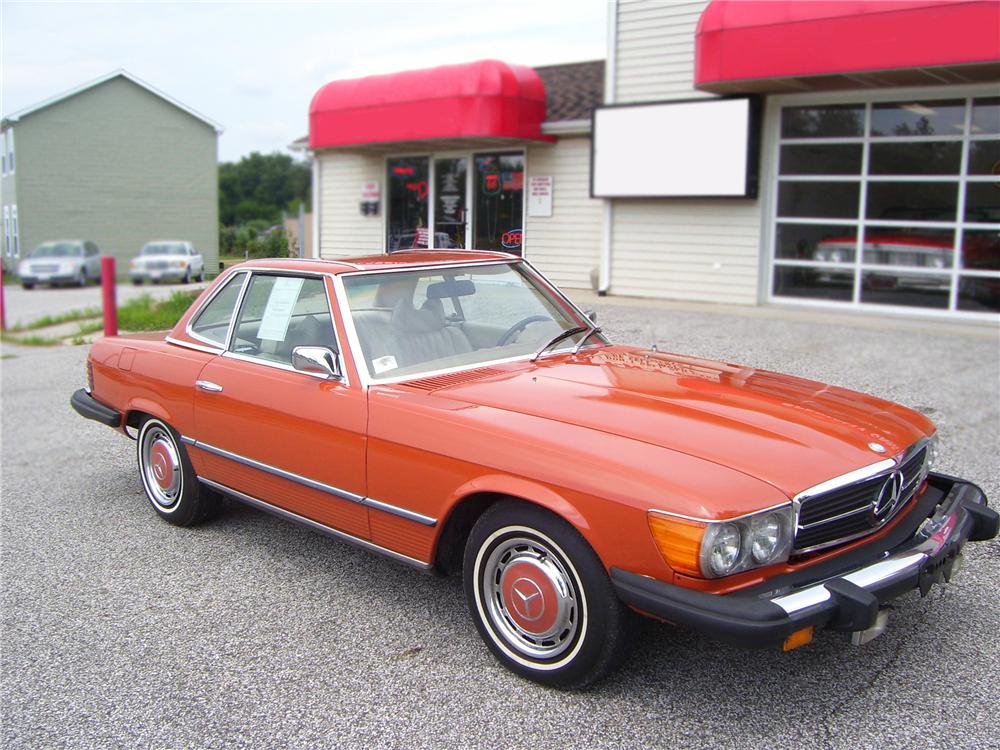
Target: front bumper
<point>842,593</point>
<point>49,278</point>
<point>159,275</point>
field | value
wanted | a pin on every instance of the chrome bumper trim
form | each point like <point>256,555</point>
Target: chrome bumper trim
<point>898,565</point>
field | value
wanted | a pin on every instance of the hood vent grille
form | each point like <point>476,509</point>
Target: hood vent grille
<point>456,378</point>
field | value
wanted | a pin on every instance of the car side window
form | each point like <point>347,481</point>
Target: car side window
<point>90,249</point>
<point>280,313</point>
<point>212,323</point>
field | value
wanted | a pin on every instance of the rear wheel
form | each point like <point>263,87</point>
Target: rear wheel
<point>27,285</point>
<point>541,599</point>
<point>168,478</point>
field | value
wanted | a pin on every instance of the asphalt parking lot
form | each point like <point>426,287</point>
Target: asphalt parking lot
<point>120,630</point>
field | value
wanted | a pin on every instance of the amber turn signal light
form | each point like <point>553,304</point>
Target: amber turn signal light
<point>679,542</point>
<point>798,638</point>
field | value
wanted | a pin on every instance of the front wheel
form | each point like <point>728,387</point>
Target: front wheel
<point>81,278</point>
<point>541,599</point>
<point>168,478</point>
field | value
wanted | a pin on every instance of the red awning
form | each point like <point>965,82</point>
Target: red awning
<point>485,99</point>
<point>749,41</point>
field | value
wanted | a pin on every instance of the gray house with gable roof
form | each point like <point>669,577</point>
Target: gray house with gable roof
<point>114,161</point>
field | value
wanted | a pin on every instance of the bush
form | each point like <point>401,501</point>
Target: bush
<point>273,245</point>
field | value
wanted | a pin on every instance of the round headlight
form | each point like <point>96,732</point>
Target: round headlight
<point>725,549</point>
<point>766,536</point>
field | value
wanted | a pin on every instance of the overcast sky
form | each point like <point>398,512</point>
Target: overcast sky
<point>254,66</point>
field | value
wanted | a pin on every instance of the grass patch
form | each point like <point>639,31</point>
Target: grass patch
<point>94,327</point>
<point>33,340</point>
<point>146,314</point>
<point>54,320</point>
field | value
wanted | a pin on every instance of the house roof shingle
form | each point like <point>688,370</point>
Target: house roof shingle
<point>573,90</point>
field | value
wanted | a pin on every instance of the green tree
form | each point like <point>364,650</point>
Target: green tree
<point>259,186</point>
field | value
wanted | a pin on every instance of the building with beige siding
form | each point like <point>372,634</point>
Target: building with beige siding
<point>839,155</point>
<point>114,161</point>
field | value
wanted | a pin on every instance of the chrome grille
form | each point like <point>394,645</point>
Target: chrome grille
<point>44,267</point>
<point>860,507</point>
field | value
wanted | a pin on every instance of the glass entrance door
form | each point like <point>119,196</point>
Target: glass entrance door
<point>450,180</point>
<point>498,202</point>
<point>408,198</point>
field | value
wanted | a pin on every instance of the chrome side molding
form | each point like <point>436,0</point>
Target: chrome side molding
<point>395,510</point>
<point>317,526</point>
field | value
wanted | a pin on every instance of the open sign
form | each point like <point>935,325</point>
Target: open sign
<point>511,239</point>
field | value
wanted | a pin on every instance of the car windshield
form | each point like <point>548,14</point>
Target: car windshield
<point>57,250</point>
<point>164,248</point>
<point>410,323</point>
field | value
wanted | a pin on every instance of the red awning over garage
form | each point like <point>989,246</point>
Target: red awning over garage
<point>758,46</point>
<point>485,99</point>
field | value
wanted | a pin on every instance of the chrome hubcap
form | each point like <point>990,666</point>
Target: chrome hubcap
<point>530,598</point>
<point>161,467</point>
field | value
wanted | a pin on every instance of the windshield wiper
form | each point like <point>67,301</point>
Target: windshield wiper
<point>557,338</point>
<point>583,339</point>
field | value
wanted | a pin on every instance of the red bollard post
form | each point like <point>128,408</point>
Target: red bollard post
<point>3,308</point>
<point>108,294</point>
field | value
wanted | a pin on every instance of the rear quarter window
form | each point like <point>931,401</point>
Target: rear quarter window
<point>212,323</point>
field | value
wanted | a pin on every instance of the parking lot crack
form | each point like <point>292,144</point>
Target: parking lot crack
<point>886,668</point>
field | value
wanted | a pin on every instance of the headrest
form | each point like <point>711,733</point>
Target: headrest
<point>407,319</point>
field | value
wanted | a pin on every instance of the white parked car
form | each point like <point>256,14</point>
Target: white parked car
<point>61,262</point>
<point>173,260</point>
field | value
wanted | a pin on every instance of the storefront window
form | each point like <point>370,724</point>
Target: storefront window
<point>499,202</point>
<point>449,202</point>
<point>986,116</point>
<point>833,121</point>
<point>874,204</point>
<point>918,118</point>
<point>408,197</point>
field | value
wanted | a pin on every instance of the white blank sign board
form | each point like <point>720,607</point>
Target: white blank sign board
<point>682,149</point>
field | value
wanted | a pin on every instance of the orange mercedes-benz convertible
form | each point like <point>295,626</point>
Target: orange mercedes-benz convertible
<point>456,412</point>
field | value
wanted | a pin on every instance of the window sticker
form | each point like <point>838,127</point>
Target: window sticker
<point>380,365</point>
<point>280,304</point>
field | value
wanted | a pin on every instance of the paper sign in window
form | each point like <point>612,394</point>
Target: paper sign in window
<point>278,313</point>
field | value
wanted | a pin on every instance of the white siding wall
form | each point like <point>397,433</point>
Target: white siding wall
<point>676,249</point>
<point>343,230</point>
<point>655,49</point>
<point>567,245</point>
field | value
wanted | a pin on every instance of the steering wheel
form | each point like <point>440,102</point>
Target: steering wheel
<point>520,326</point>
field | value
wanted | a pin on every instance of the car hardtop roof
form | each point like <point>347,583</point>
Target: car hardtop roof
<point>383,262</point>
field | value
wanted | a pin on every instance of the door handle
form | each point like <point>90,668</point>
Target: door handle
<point>208,385</point>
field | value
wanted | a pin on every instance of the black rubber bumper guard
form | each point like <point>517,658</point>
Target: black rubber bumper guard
<point>842,593</point>
<point>87,406</point>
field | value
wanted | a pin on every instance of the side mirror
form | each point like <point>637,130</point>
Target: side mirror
<point>592,315</point>
<point>317,360</point>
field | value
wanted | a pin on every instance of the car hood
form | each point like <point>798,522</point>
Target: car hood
<point>787,431</point>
